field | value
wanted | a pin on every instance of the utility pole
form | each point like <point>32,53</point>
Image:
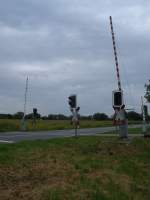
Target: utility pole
<point>23,123</point>
<point>120,113</point>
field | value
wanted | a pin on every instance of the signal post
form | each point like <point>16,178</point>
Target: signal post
<point>34,116</point>
<point>72,100</point>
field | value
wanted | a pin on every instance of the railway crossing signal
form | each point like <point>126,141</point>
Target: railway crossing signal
<point>72,101</point>
<point>118,105</point>
<point>35,111</point>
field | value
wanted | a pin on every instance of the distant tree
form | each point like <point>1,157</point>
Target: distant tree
<point>84,117</point>
<point>6,116</point>
<point>57,117</point>
<point>62,117</point>
<point>100,116</point>
<point>51,117</point>
<point>147,93</point>
<point>44,117</point>
<point>9,116</point>
<point>29,116</point>
<point>18,115</point>
<point>134,116</point>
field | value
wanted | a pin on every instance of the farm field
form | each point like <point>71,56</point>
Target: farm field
<point>15,125</point>
<point>89,168</point>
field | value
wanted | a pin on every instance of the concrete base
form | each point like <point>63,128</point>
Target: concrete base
<point>123,131</point>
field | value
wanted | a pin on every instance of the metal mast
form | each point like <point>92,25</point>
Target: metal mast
<point>115,54</point>
<point>25,97</point>
<point>23,121</point>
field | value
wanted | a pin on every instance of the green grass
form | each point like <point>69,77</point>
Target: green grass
<point>137,130</point>
<point>84,168</point>
<point>15,125</point>
<point>132,131</point>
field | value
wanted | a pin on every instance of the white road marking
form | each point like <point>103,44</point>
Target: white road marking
<point>6,141</point>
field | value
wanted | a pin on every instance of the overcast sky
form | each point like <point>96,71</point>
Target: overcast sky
<point>65,47</point>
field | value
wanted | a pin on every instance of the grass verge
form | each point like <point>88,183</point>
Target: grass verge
<point>131,131</point>
<point>86,168</point>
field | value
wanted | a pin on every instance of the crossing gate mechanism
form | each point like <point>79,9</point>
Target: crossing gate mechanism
<point>118,104</point>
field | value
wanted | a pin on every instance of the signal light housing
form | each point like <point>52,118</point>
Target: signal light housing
<point>34,111</point>
<point>117,99</point>
<point>72,101</point>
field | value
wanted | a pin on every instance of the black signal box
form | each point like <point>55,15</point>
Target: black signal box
<point>72,101</point>
<point>117,99</point>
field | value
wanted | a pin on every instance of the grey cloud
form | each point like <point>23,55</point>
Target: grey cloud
<point>65,47</point>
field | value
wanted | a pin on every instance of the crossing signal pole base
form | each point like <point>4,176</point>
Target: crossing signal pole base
<point>145,131</point>
<point>123,131</point>
<point>23,125</point>
<point>34,123</point>
<point>144,128</point>
<point>76,131</point>
<point>121,122</point>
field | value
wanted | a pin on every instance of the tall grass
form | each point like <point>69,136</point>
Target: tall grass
<point>15,125</point>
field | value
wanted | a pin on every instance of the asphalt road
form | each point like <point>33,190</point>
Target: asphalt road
<point>12,137</point>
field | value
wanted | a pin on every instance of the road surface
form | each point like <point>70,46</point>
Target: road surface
<point>12,137</point>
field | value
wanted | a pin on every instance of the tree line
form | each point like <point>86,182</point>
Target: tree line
<point>132,115</point>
